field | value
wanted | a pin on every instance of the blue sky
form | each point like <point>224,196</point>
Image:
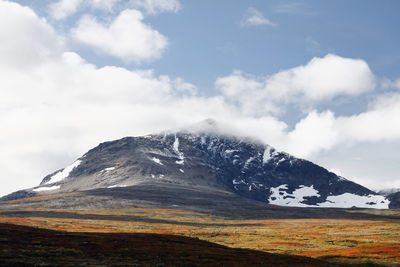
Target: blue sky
<point>318,79</point>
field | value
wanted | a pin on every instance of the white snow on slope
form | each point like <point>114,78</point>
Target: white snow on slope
<point>181,160</point>
<point>117,185</point>
<point>61,175</point>
<point>280,197</point>
<point>246,164</point>
<point>269,153</point>
<point>156,160</point>
<point>348,200</point>
<point>40,189</point>
<point>109,169</point>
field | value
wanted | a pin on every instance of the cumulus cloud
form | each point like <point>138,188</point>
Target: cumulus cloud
<point>253,17</point>
<point>323,131</point>
<point>321,79</point>
<point>324,78</point>
<point>26,38</point>
<point>126,37</point>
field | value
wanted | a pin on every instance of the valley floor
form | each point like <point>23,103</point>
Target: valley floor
<point>368,242</point>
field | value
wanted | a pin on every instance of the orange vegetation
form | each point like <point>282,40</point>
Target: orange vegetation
<point>338,240</point>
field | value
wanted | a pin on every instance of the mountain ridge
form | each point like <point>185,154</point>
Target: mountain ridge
<point>204,157</point>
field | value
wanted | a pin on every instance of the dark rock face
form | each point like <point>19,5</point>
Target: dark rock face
<point>202,160</point>
<point>18,195</point>
<point>394,200</point>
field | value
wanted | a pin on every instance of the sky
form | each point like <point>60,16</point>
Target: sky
<point>317,79</point>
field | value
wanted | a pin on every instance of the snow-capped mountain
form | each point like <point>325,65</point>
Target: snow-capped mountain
<point>207,159</point>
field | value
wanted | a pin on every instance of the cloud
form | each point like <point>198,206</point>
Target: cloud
<point>323,131</point>
<point>324,78</point>
<point>321,79</point>
<point>312,134</point>
<point>253,17</point>
<point>26,38</point>
<point>65,8</point>
<point>126,37</point>
<point>157,6</point>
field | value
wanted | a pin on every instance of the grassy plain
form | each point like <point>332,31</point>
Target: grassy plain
<point>336,240</point>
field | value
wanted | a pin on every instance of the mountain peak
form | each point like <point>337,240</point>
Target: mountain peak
<point>207,157</point>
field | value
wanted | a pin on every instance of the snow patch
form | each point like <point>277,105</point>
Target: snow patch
<point>248,162</point>
<point>234,181</point>
<point>40,189</point>
<point>117,185</point>
<point>109,169</point>
<point>61,175</point>
<point>348,200</point>
<point>202,140</point>
<point>280,197</point>
<point>175,146</point>
<point>156,160</point>
<point>182,171</point>
<point>268,153</point>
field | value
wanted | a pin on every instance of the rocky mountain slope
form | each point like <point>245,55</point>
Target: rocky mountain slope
<point>207,161</point>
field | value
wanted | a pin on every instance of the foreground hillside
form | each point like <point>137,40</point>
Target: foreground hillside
<point>26,246</point>
<point>356,236</point>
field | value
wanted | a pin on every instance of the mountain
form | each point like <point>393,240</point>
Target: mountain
<point>394,199</point>
<point>204,159</point>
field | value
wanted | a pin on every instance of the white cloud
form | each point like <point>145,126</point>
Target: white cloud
<point>26,39</point>
<point>312,134</point>
<point>324,78</point>
<point>106,5</point>
<point>126,37</point>
<point>157,6</point>
<point>253,17</point>
<point>321,79</point>
<point>323,131</point>
<point>65,8</point>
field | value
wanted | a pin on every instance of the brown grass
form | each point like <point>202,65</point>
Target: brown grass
<point>355,241</point>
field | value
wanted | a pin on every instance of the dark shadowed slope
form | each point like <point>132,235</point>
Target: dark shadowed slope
<point>25,246</point>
